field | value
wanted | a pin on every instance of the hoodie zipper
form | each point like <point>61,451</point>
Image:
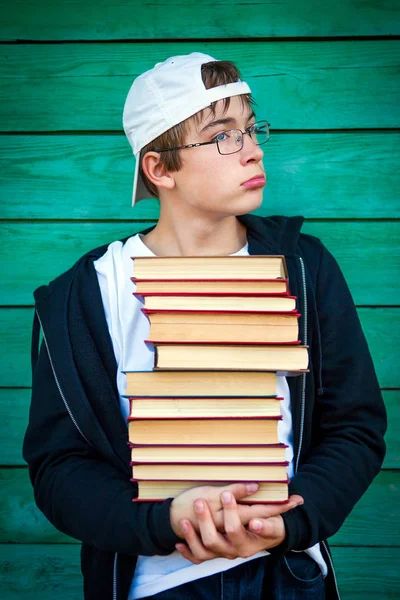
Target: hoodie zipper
<point>115,576</point>
<point>80,431</point>
<point>303,377</point>
<point>333,569</point>
<point>303,403</point>
<point>58,383</point>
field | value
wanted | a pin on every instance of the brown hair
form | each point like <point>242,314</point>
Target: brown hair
<point>213,74</point>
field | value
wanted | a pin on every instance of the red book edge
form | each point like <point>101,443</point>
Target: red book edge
<point>285,294</point>
<point>280,279</point>
<point>294,373</point>
<point>130,397</point>
<point>227,481</point>
<point>275,418</point>
<point>291,313</point>
<point>229,312</point>
<point>213,343</point>
<point>133,398</point>
<point>238,501</point>
<point>265,295</point>
<point>154,445</point>
<point>256,464</point>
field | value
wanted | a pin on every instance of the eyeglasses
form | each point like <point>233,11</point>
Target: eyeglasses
<point>231,140</point>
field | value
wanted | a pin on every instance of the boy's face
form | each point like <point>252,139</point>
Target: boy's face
<point>211,183</point>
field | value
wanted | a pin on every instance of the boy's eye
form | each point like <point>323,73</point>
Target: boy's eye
<point>221,137</point>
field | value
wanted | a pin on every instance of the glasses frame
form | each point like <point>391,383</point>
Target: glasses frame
<point>198,144</point>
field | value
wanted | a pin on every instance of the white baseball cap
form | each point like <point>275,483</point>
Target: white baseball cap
<point>164,96</point>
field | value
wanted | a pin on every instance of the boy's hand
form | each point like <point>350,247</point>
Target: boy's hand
<point>182,507</point>
<point>237,541</point>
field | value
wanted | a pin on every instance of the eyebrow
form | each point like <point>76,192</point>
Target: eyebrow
<point>226,121</point>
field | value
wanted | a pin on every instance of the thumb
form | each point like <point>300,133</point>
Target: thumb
<point>242,490</point>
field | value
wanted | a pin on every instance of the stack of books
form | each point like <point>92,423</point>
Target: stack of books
<point>208,413</point>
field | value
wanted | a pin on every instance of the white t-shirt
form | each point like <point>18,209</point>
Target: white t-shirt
<point>129,327</point>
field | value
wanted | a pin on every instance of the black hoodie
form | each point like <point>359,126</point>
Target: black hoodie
<point>76,441</point>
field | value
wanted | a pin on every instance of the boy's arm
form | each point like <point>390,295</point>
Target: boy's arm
<point>81,493</point>
<point>85,496</point>
<point>349,419</point>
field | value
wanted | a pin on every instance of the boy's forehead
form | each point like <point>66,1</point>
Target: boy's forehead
<point>237,112</point>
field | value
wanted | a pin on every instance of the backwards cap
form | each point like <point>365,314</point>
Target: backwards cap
<point>164,96</point>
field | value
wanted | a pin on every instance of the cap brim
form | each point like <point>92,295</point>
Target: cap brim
<point>140,192</point>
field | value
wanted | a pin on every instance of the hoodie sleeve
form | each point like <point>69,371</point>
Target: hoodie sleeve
<point>81,493</point>
<point>348,420</point>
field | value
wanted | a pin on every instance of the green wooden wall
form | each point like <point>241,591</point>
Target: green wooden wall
<point>325,74</point>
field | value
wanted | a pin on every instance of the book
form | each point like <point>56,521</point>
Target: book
<point>153,491</point>
<point>210,267</point>
<point>222,327</point>
<point>222,303</point>
<point>197,287</point>
<point>279,358</point>
<point>200,384</point>
<point>210,454</point>
<point>251,431</point>
<point>211,472</point>
<point>183,408</point>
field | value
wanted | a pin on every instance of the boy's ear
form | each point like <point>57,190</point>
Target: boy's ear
<point>156,172</point>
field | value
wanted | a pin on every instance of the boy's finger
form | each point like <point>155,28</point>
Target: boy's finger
<point>234,529</point>
<point>210,537</point>
<point>185,552</point>
<point>196,549</point>
<point>271,528</point>
<point>263,511</point>
<point>242,490</point>
<point>272,510</point>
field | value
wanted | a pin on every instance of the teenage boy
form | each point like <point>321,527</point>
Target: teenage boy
<point>199,148</point>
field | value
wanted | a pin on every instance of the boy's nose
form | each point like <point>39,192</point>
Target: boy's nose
<point>250,150</point>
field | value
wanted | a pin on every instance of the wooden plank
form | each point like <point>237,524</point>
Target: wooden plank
<point>14,414</point>
<point>373,522</point>
<point>40,572</point>
<point>60,245</point>
<point>330,175</point>
<point>392,403</point>
<point>367,573</point>
<point>375,519</point>
<point>135,19</point>
<point>380,326</point>
<point>308,85</point>
<point>14,410</point>
<point>43,572</point>
<point>366,251</point>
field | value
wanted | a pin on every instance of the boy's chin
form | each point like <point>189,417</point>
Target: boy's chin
<point>248,204</point>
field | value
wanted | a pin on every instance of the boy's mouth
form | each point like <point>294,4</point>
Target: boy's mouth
<point>256,181</point>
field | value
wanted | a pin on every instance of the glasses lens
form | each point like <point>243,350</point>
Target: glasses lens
<point>259,132</point>
<point>230,141</point>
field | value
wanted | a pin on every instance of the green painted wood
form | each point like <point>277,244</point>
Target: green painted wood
<point>380,326</point>
<point>14,410</point>
<point>323,175</point>
<point>309,85</point>
<point>40,572</point>
<point>14,414</point>
<point>373,522</point>
<point>367,573</point>
<point>49,249</point>
<point>135,19</point>
<point>46,572</point>
<point>32,254</point>
<point>392,402</point>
